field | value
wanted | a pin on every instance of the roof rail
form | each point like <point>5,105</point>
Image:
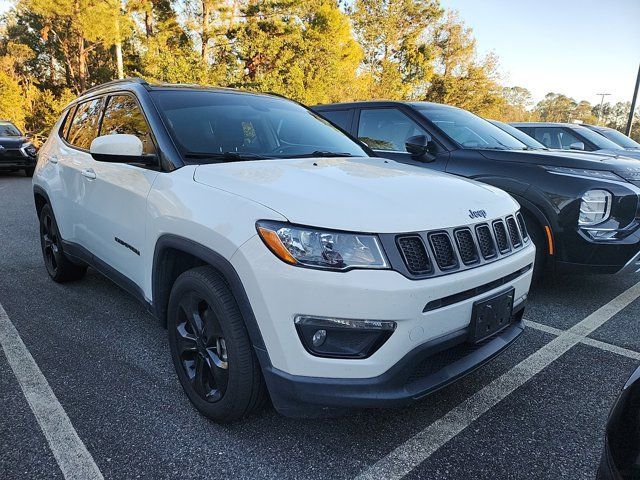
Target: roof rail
<point>116,82</point>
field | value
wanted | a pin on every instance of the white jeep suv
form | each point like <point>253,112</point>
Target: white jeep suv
<point>284,259</point>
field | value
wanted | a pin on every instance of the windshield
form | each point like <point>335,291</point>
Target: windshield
<point>598,140</point>
<point>620,138</point>
<point>9,130</point>
<point>469,130</point>
<point>530,142</point>
<point>227,126</point>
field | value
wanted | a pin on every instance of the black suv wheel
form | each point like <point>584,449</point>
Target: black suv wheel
<point>210,347</point>
<point>59,267</point>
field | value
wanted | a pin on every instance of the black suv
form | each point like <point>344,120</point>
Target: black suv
<point>582,210</point>
<point>16,151</point>
<point>571,136</point>
<point>615,136</point>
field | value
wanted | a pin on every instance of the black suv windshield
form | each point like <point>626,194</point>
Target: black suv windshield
<point>469,130</point>
<point>214,126</point>
<point>9,130</point>
<point>531,143</point>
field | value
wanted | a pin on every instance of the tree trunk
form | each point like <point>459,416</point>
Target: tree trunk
<point>206,7</point>
<point>118,45</point>
<point>148,23</point>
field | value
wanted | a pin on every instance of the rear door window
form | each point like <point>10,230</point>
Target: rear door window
<point>84,127</point>
<point>123,115</point>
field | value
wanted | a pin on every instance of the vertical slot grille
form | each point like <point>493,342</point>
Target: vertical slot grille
<point>443,250</point>
<point>514,235</point>
<point>485,241</point>
<point>466,246</point>
<point>501,236</point>
<point>523,226</point>
<point>414,254</point>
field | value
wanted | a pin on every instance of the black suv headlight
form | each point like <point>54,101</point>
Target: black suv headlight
<point>30,149</point>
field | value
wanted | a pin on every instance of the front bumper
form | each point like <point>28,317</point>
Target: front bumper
<point>16,158</point>
<point>279,292</point>
<point>427,368</point>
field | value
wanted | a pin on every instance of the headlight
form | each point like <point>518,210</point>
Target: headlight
<point>595,207</point>
<point>323,249</point>
<point>29,149</point>
<point>582,172</point>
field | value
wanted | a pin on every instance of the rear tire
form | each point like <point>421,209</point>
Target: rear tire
<point>28,171</point>
<point>59,267</point>
<point>210,347</point>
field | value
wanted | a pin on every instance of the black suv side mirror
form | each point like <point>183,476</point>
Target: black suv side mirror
<point>419,146</point>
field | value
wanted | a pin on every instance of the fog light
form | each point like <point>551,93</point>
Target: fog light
<point>342,338</point>
<point>319,338</point>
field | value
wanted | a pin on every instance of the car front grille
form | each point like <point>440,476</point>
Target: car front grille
<point>440,252</point>
<point>523,226</point>
<point>466,246</point>
<point>414,254</point>
<point>501,236</point>
<point>443,250</point>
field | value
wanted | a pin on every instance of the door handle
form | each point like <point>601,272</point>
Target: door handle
<point>89,173</point>
<point>53,159</point>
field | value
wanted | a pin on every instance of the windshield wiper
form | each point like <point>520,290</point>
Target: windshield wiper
<point>226,156</point>
<point>320,153</point>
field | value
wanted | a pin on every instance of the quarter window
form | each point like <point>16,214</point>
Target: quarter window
<point>123,115</point>
<point>386,129</point>
<point>84,127</point>
<point>341,118</point>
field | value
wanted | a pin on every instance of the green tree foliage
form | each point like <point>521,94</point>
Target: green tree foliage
<point>397,53</point>
<point>461,78</point>
<point>314,51</point>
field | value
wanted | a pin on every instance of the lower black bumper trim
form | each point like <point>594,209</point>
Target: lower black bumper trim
<point>300,396</point>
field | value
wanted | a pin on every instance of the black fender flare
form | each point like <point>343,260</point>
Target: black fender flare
<point>217,261</point>
<point>538,214</point>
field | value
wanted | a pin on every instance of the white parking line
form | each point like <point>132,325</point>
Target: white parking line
<point>69,451</point>
<point>625,352</point>
<point>403,459</point>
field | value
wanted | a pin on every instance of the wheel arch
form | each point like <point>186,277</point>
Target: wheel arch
<point>174,255</point>
<point>528,207</point>
<point>41,198</point>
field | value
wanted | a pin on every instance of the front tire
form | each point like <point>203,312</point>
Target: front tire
<point>59,267</point>
<point>28,171</point>
<point>211,349</point>
<point>539,239</point>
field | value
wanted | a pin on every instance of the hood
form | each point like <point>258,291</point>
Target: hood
<point>563,158</point>
<point>621,153</point>
<point>12,142</point>
<point>358,194</point>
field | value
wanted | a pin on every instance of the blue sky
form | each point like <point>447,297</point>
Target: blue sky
<point>576,47</point>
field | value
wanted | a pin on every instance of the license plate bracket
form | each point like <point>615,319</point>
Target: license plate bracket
<point>491,315</point>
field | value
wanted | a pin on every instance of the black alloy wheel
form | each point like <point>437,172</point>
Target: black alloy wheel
<point>210,347</point>
<point>59,267</point>
<point>202,347</point>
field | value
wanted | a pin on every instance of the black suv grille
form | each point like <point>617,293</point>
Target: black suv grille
<point>443,250</point>
<point>485,240</point>
<point>501,236</point>
<point>466,246</point>
<point>414,254</point>
<point>514,235</point>
<point>523,226</point>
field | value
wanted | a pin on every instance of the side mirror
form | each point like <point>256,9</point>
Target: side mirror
<point>119,148</point>
<point>576,146</point>
<point>420,146</point>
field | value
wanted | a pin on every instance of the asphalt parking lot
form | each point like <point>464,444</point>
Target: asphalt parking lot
<point>538,411</point>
